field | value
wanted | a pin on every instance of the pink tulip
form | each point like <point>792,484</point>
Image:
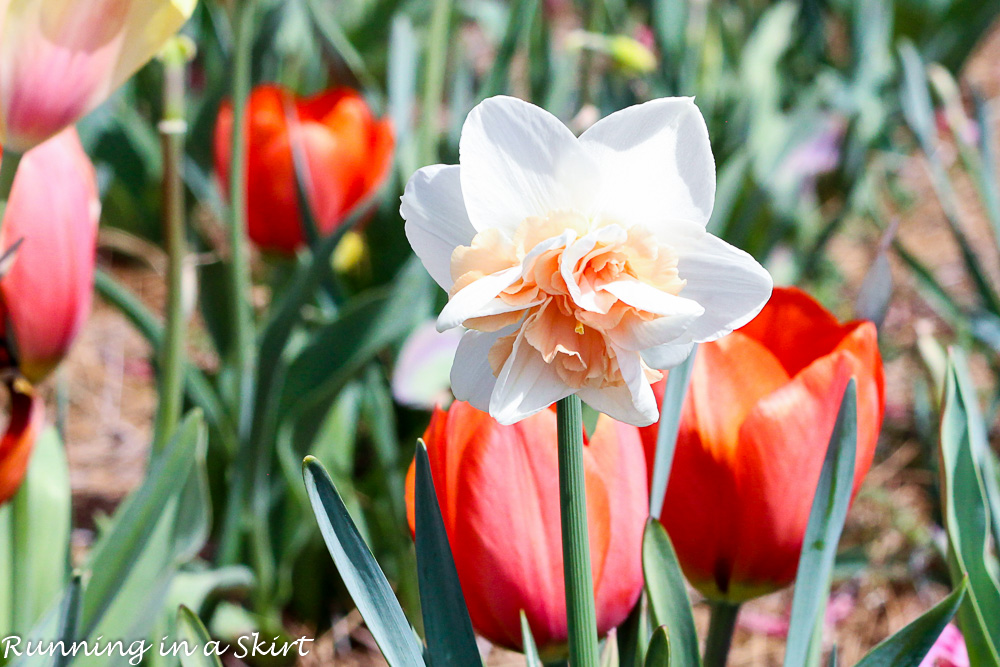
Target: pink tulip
<point>948,651</point>
<point>45,297</point>
<point>59,59</point>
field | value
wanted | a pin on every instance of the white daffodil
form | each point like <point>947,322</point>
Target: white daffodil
<point>578,265</point>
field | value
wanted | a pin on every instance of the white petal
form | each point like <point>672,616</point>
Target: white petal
<point>655,333</point>
<point>436,221</point>
<point>633,402</point>
<point>472,379</point>
<point>473,299</point>
<point>730,284</point>
<point>518,161</point>
<point>646,297</point>
<point>526,385</point>
<point>654,158</point>
<point>667,356</point>
<point>478,298</point>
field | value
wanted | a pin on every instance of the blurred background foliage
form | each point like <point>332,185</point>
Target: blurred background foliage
<point>813,106</point>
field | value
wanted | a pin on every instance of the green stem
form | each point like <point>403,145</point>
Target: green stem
<point>8,169</point>
<point>434,75</point>
<point>242,324</point>
<point>239,263</point>
<point>173,129</point>
<point>720,633</point>
<point>581,616</point>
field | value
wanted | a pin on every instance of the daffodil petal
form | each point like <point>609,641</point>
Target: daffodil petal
<point>667,356</point>
<point>730,284</point>
<point>575,252</point>
<point>520,161</point>
<point>472,379</point>
<point>526,385</point>
<point>651,299</point>
<point>436,221</point>
<point>654,157</point>
<point>632,402</point>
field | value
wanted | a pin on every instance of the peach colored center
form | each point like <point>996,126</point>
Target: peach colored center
<point>569,335</point>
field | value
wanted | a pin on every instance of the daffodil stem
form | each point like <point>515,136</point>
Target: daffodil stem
<point>434,75</point>
<point>720,633</point>
<point>581,615</point>
<point>173,130</point>
<point>8,169</point>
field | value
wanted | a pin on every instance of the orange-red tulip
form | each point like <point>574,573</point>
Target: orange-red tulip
<point>498,488</point>
<point>754,431</point>
<point>348,153</point>
<point>27,412</point>
<point>59,59</point>
<point>45,297</point>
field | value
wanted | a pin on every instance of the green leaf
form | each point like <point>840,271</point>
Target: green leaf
<point>447,626</point>
<point>826,523</point>
<point>909,646</point>
<point>39,535</point>
<point>633,635</point>
<point>530,650</point>
<point>666,435</point>
<point>967,521</point>
<point>361,574</point>
<point>658,653</point>
<point>668,599</point>
<point>609,656</point>
<point>69,617</point>
<point>192,631</point>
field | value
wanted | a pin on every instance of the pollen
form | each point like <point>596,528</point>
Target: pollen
<point>580,329</point>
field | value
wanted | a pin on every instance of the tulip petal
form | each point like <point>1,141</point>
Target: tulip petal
<point>472,378</point>
<point>520,161</point>
<point>149,25</point>
<point>654,157</point>
<point>730,284</point>
<point>526,385</point>
<point>436,220</point>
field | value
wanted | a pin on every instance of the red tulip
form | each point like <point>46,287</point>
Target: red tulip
<point>45,297</point>
<point>754,431</point>
<point>27,412</point>
<point>498,488</point>
<point>348,153</point>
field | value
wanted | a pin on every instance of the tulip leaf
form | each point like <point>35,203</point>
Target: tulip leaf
<point>833,657</point>
<point>633,635</point>
<point>447,626</point>
<point>967,521</point>
<point>193,633</point>
<point>658,653</point>
<point>666,435</point>
<point>826,523</point>
<point>909,646</point>
<point>668,598</point>
<point>361,574</point>
<point>609,655</point>
<point>531,656</point>
<point>69,617</point>
<point>38,518</point>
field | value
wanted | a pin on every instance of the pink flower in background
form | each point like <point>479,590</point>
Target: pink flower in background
<point>59,59</point>
<point>421,377</point>
<point>948,651</point>
<point>45,297</point>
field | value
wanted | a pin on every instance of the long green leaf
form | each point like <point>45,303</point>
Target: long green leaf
<point>967,522</point>
<point>909,646</point>
<point>826,523</point>
<point>659,652</point>
<point>193,632</point>
<point>531,656</point>
<point>666,435</point>
<point>361,574</point>
<point>668,599</point>
<point>69,617</point>
<point>448,628</point>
